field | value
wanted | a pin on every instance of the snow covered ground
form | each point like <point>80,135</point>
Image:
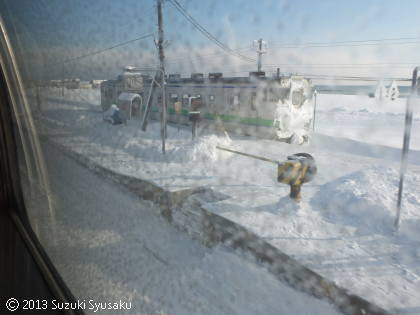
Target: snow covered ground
<point>366,119</point>
<point>343,226</point>
<point>109,245</point>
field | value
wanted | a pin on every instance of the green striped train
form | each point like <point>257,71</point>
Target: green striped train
<point>279,107</point>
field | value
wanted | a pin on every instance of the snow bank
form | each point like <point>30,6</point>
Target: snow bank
<point>202,150</point>
<point>359,103</point>
<point>180,148</point>
<point>91,96</point>
<point>367,199</point>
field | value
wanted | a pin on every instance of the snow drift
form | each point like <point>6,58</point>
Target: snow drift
<point>366,199</point>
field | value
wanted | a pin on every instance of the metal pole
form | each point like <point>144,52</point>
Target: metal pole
<point>313,122</point>
<point>194,126</point>
<point>164,112</point>
<point>38,98</point>
<point>248,155</point>
<point>62,86</point>
<point>162,67</point>
<point>406,144</point>
<point>149,102</point>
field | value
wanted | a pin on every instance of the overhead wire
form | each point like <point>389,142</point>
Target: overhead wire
<point>104,49</point>
<point>206,33</point>
<point>366,42</point>
<point>351,78</point>
<point>347,45</point>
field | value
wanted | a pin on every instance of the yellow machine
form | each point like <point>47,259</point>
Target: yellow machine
<point>299,168</point>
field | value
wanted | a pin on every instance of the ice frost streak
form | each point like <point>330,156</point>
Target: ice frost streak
<point>198,280</point>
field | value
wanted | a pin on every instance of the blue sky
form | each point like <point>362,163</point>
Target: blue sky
<point>311,20</point>
<point>57,30</point>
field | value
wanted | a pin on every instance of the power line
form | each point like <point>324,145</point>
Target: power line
<point>323,45</point>
<point>358,41</point>
<point>323,76</point>
<point>350,78</point>
<point>103,50</point>
<point>196,56</point>
<point>368,42</point>
<point>343,64</point>
<point>337,65</point>
<point>393,65</point>
<point>371,42</point>
<point>355,45</point>
<point>206,33</point>
<point>351,43</point>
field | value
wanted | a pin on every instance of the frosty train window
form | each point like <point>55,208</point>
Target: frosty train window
<point>298,98</point>
<point>185,100</point>
<point>174,98</point>
<point>252,101</point>
<point>211,99</point>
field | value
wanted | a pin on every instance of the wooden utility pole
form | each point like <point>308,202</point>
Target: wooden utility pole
<point>149,101</point>
<point>162,68</point>
<point>261,49</point>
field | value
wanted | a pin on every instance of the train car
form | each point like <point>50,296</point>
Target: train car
<point>271,107</point>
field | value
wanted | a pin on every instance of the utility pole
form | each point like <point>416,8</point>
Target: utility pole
<point>62,86</point>
<point>261,49</point>
<point>406,142</point>
<point>162,68</point>
<point>314,113</point>
<point>38,97</point>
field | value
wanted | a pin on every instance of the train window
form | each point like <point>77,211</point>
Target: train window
<point>185,100</point>
<point>234,101</point>
<point>202,99</point>
<point>174,98</point>
<point>298,98</point>
<point>253,100</point>
<point>273,95</point>
<point>211,99</point>
<point>265,94</point>
<point>231,100</point>
<point>149,208</point>
<point>132,82</point>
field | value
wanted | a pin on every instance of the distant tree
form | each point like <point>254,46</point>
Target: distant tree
<point>393,91</point>
<point>381,92</point>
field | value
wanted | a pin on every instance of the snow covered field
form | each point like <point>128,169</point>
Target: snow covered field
<point>366,119</point>
<point>343,226</point>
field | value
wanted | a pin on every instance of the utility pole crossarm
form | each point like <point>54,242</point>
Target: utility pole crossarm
<point>261,49</point>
